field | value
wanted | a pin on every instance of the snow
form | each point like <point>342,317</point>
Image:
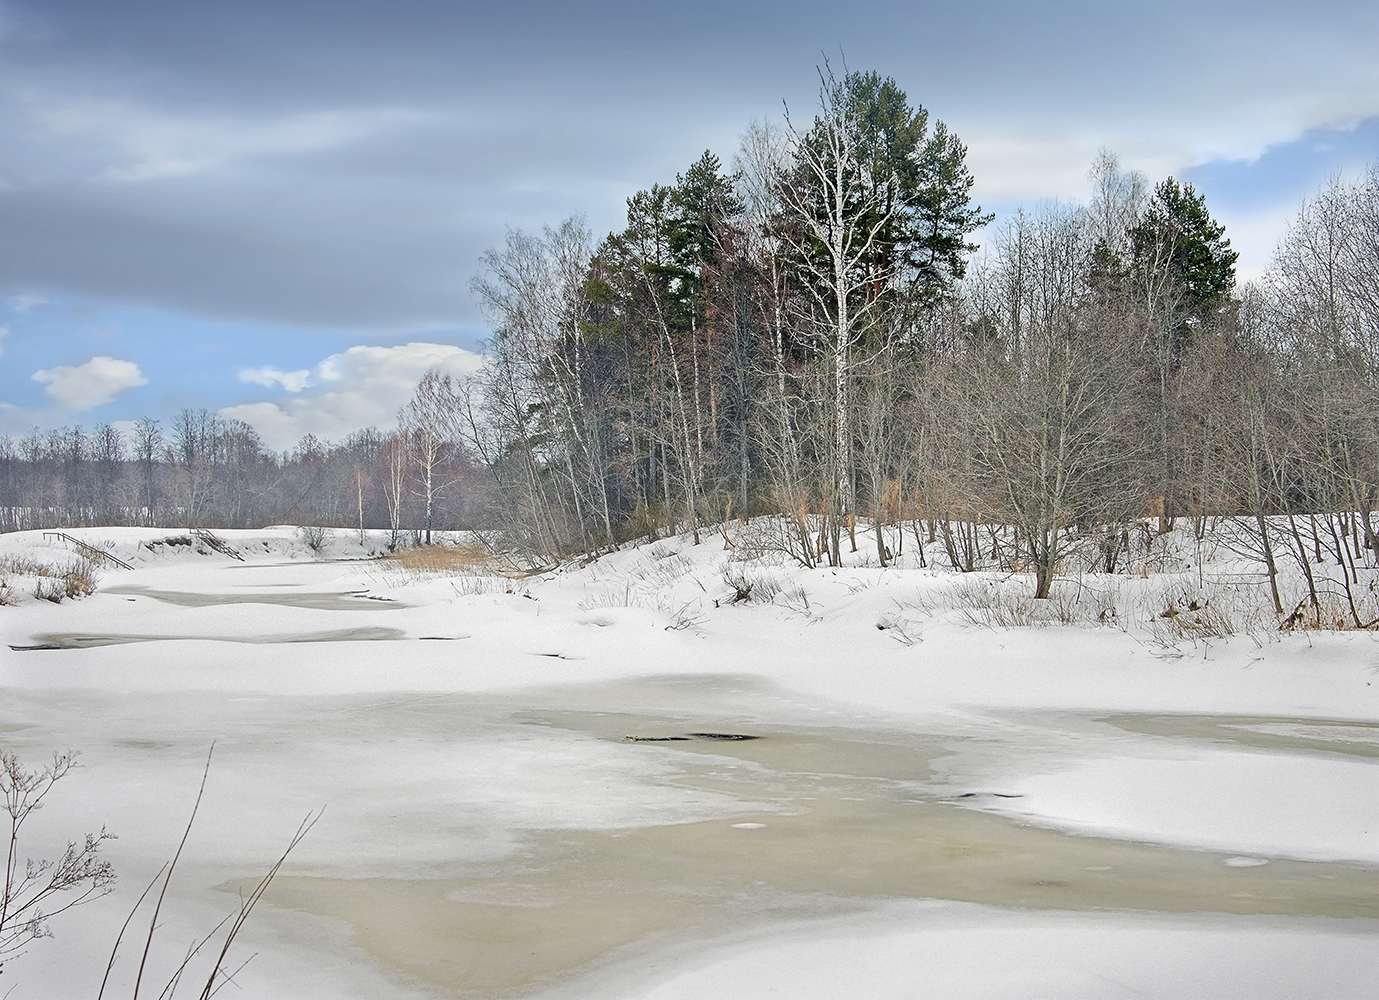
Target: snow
<point>1257,803</point>
<point>464,733</point>
<point>976,953</point>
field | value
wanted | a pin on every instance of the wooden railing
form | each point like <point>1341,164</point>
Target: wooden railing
<point>99,556</point>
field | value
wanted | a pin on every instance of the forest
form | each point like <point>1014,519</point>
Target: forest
<point>809,335</point>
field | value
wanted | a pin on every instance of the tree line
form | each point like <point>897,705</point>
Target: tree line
<point>206,471</point>
<point>812,335</point>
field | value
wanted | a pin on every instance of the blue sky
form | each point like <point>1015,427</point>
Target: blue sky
<point>193,192</point>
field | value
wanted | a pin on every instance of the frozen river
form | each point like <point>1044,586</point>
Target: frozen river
<point>538,794</point>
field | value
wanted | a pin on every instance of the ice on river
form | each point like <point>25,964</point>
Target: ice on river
<point>526,792</point>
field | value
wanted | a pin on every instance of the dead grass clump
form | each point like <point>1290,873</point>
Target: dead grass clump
<point>1336,613</point>
<point>78,578</point>
<point>623,595</point>
<point>903,629</point>
<point>748,585</point>
<point>1008,603</point>
<point>796,599</point>
<point>473,586</point>
<point>24,566</point>
<point>665,571</point>
<point>1192,618</point>
<point>46,589</point>
<point>445,560</point>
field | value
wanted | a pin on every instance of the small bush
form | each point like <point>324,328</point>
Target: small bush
<point>314,537</point>
<point>1333,612</point>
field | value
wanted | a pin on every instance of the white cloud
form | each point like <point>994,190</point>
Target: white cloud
<point>269,377</point>
<point>4,332</point>
<point>83,387</point>
<point>361,387</point>
<point>127,428</point>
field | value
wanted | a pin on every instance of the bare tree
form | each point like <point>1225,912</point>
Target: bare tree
<point>429,424</point>
<point>1118,202</point>
<point>537,389</point>
<point>1052,452</point>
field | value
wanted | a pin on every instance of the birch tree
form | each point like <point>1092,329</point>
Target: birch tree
<point>429,425</point>
<point>837,213</point>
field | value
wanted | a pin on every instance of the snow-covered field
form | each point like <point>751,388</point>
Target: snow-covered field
<point>933,808</point>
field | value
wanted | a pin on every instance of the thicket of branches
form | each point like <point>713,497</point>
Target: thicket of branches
<point>810,335</point>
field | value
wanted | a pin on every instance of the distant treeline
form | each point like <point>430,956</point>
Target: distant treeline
<point>204,471</point>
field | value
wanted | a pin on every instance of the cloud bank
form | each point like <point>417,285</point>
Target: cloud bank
<point>353,179</point>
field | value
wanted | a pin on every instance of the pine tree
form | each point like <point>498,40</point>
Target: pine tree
<point>1178,238</point>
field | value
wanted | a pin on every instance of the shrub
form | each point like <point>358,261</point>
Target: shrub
<point>314,536</point>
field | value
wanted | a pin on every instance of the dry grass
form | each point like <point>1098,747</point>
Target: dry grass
<point>623,595</point>
<point>747,584</point>
<point>75,578</point>
<point>48,590</point>
<point>1008,602</point>
<point>1192,618</point>
<point>1334,613</point>
<point>446,560</point>
<point>78,578</point>
<point>24,566</point>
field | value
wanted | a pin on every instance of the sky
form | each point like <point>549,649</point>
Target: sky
<point>274,209</point>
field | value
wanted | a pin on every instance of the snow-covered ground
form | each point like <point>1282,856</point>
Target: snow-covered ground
<point>934,808</point>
